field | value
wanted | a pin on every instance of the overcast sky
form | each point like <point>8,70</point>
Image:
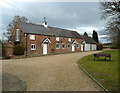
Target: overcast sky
<point>78,16</point>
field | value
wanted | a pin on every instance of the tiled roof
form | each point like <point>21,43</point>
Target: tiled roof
<point>51,31</point>
<point>89,40</point>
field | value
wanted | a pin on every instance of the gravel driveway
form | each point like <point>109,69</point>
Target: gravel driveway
<point>52,73</point>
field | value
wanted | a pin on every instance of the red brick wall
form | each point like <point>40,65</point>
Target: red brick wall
<point>8,50</point>
<point>39,47</point>
<point>51,46</point>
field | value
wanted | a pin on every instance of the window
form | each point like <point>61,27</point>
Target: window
<point>63,46</point>
<point>57,46</point>
<point>57,38</point>
<point>32,37</point>
<point>69,39</point>
<point>68,45</point>
<point>17,35</point>
<point>78,45</point>
<point>33,47</point>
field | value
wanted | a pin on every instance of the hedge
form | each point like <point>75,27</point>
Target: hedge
<point>18,50</point>
<point>99,46</point>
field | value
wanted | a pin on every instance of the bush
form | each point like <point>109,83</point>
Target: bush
<point>3,51</point>
<point>114,47</point>
<point>18,50</point>
<point>99,46</point>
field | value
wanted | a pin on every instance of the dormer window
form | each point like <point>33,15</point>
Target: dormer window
<point>17,35</point>
<point>69,39</point>
<point>57,38</point>
<point>32,37</point>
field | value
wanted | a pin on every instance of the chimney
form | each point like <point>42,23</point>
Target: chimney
<point>45,24</point>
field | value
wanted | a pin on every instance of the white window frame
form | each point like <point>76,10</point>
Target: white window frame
<point>32,37</point>
<point>62,45</point>
<point>68,44</point>
<point>57,38</point>
<point>69,39</point>
<point>57,47</point>
<point>34,47</point>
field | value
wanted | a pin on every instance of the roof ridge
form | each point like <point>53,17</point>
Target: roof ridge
<point>31,23</point>
<point>48,26</point>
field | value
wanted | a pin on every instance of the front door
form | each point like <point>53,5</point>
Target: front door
<point>82,47</point>
<point>44,49</point>
<point>73,47</point>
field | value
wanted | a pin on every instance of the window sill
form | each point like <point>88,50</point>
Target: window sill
<point>57,48</point>
<point>33,49</point>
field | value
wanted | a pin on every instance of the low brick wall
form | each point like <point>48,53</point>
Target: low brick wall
<point>7,50</point>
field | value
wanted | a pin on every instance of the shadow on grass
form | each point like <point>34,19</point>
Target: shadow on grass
<point>103,60</point>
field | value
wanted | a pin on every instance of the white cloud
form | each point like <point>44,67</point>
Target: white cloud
<point>75,16</point>
<point>102,36</point>
<point>53,0</point>
<point>4,4</point>
<point>88,29</point>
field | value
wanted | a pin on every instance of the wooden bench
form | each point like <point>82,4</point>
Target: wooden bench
<point>97,55</point>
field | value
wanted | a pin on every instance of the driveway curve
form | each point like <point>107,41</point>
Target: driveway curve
<point>52,73</point>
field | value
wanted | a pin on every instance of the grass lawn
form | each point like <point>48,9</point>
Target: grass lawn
<point>105,71</point>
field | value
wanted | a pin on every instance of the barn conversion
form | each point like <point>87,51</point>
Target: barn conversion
<point>43,39</point>
<point>88,44</point>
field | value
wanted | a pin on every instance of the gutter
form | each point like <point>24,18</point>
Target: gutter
<point>94,79</point>
<point>26,44</point>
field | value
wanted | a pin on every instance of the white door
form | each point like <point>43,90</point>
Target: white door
<point>44,49</point>
<point>94,47</point>
<point>87,47</point>
<point>82,47</point>
<point>73,47</point>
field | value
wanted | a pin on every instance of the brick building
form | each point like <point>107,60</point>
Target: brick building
<point>43,39</point>
<point>88,44</point>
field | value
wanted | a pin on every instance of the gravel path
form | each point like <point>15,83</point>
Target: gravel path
<point>52,73</point>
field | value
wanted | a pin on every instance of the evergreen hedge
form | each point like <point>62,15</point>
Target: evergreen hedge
<point>18,50</point>
<point>99,46</point>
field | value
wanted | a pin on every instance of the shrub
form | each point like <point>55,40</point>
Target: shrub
<point>114,47</point>
<point>3,52</point>
<point>99,46</point>
<point>18,50</point>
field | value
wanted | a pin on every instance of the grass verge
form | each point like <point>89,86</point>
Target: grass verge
<point>105,71</point>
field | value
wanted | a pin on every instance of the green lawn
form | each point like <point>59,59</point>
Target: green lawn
<point>105,71</point>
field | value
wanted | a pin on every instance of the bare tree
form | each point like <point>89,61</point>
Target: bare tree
<point>12,24</point>
<point>111,12</point>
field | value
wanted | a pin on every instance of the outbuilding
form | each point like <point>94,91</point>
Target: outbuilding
<point>88,44</point>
